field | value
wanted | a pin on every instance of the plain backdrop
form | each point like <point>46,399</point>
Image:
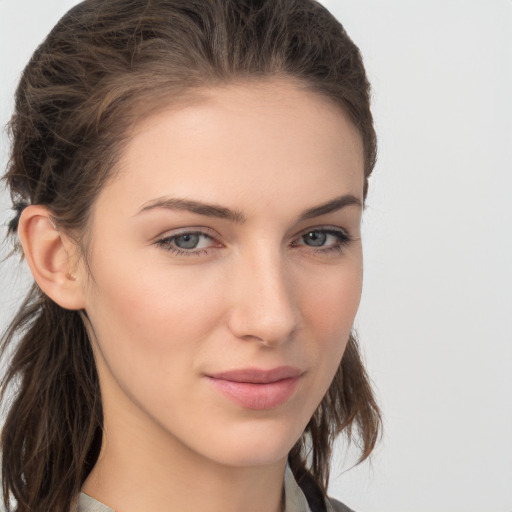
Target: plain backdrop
<point>436,316</point>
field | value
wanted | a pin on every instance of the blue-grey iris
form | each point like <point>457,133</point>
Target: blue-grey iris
<point>187,241</point>
<point>315,238</point>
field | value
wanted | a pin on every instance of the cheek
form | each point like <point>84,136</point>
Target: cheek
<point>152,332</point>
<point>332,306</point>
<point>154,319</point>
<point>329,314</point>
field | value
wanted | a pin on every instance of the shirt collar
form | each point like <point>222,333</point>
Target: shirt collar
<point>295,501</point>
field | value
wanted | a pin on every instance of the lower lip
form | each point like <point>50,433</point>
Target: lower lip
<point>257,396</point>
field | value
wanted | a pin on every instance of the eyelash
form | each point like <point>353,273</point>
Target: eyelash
<point>343,239</point>
<point>167,244</point>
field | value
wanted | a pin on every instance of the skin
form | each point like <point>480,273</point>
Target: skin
<point>252,294</point>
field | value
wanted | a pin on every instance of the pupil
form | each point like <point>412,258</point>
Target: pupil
<point>315,238</point>
<point>188,241</point>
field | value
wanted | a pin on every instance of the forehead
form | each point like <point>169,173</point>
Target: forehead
<point>241,140</point>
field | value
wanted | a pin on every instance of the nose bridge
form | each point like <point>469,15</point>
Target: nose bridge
<point>264,305</point>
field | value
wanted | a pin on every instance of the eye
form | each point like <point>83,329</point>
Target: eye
<point>187,243</point>
<point>315,238</point>
<point>324,239</point>
<point>188,240</point>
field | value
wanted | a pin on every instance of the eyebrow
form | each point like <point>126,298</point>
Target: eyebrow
<point>212,210</point>
<point>209,210</point>
<point>331,206</point>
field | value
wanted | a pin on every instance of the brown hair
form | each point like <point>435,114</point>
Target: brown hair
<point>104,63</point>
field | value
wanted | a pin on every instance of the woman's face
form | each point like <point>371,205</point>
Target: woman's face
<point>225,271</point>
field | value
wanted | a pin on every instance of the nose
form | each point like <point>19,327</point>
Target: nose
<point>264,306</point>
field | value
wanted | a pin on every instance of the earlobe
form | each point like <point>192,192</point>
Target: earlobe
<point>51,257</point>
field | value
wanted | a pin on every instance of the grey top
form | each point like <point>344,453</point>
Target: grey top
<point>295,501</point>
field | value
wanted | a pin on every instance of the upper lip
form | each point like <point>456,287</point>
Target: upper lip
<point>257,375</point>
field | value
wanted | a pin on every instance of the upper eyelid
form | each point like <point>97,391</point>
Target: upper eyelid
<point>174,233</point>
<point>213,234</point>
<point>328,228</point>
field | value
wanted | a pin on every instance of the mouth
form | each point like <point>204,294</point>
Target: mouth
<point>257,389</point>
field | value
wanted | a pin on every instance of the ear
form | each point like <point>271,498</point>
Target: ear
<point>51,256</point>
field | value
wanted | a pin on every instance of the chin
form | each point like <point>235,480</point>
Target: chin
<point>252,456</point>
<point>254,444</point>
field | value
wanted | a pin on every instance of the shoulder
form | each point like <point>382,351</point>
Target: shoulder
<point>336,506</point>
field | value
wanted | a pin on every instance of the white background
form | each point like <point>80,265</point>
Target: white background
<point>436,316</point>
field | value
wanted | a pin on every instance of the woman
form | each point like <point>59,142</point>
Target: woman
<point>188,178</point>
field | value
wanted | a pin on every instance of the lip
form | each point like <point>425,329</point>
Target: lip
<point>254,388</point>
